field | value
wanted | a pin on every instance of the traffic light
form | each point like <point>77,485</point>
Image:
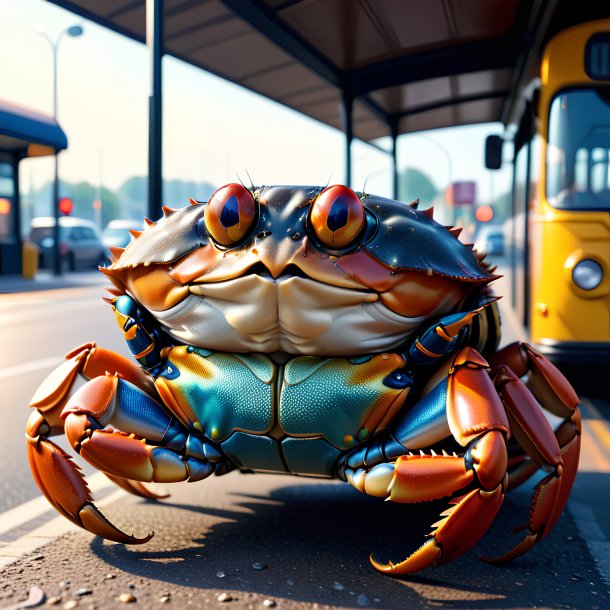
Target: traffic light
<point>65,205</point>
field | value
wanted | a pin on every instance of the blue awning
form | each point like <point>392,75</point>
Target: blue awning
<point>28,131</point>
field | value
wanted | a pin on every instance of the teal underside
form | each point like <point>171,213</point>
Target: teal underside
<point>297,418</point>
<point>306,456</point>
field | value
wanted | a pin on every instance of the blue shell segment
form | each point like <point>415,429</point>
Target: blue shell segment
<point>309,456</point>
<point>424,416</point>
<point>140,412</point>
<point>254,452</point>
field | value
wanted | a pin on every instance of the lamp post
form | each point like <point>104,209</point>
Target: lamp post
<point>74,31</point>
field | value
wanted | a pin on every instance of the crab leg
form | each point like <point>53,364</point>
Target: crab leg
<point>477,421</point>
<point>107,401</point>
<point>82,364</point>
<point>62,483</point>
<point>557,452</point>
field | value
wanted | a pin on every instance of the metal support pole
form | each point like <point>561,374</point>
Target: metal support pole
<point>394,134</point>
<point>56,233</point>
<point>154,41</point>
<point>348,108</point>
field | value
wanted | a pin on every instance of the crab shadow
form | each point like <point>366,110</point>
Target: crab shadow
<point>313,541</point>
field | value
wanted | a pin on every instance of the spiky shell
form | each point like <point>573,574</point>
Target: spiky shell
<point>401,237</point>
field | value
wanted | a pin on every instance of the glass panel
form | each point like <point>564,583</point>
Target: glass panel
<point>578,150</point>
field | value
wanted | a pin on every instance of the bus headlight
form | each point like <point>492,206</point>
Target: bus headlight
<point>587,274</point>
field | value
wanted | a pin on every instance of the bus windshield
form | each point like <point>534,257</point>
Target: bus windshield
<point>578,150</point>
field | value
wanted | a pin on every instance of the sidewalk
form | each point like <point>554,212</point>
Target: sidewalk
<point>45,280</point>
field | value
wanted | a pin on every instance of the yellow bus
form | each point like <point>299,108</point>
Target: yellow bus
<point>560,247</point>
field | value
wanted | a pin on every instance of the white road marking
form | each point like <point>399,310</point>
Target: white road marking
<point>16,517</point>
<point>593,535</point>
<point>18,315</point>
<point>30,367</point>
<point>43,535</point>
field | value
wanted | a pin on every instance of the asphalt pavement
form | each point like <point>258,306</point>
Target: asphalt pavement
<point>260,541</point>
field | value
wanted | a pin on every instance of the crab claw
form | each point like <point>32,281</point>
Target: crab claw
<point>469,515</point>
<point>62,483</point>
<point>473,513</point>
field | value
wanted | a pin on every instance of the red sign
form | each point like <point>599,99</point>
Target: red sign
<point>65,205</point>
<point>464,193</point>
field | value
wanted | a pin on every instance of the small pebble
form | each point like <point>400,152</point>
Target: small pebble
<point>337,586</point>
<point>290,582</point>
<point>127,598</point>
<point>220,574</point>
<point>84,591</point>
<point>259,566</point>
<point>164,599</point>
<point>64,584</point>
<point>109,576</point>
<point>53,601</point>
<point>269,603</point>
<point>362,600</point>
<point>69,605</point>
<point>37,557</point>
<point>224,597</point>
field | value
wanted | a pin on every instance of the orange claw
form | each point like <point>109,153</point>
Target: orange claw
<point>460,529</point>
<point>62,483</point>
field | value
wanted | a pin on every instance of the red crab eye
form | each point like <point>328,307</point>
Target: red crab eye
<point>230,214</point>
<point>337,216</point>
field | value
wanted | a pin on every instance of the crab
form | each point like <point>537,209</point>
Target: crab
<point>314,331</point>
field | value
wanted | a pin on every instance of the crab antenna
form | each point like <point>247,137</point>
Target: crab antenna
<point>364,185</point>
<point>241,181</point>
<point>251,182</point>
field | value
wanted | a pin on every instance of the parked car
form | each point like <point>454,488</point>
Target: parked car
<point>117,234</point>
<point>80,244</point>
<point>490,239</point>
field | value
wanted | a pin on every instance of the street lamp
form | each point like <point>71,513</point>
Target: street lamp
<point>74,31</point>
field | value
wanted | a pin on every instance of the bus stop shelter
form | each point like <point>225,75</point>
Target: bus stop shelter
<point>371,68</point>
<point>23,133</point>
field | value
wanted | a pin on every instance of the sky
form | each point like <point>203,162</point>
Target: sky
<point>213,130</point>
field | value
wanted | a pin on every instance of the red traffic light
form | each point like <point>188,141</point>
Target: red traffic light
<point>65,205</point>
<point>484,213</point>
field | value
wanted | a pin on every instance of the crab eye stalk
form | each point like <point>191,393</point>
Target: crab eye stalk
<point>337,217</point>
<point>230,214</point>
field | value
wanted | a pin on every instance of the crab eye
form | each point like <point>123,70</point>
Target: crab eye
<point>337,216</point>
<point>230,214</point>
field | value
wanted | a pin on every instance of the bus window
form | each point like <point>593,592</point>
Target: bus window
<point>578,151</point>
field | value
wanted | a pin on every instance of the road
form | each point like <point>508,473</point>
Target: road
<point>311,539</point>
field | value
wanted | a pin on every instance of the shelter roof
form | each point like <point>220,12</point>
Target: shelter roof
<point>28,131</point>
<point>409,65</point>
